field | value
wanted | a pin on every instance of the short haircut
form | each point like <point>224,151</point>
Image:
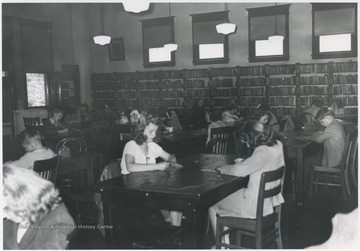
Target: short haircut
<point>28,197</point>
<point>29,134</point>
<point>140,138</point>
<point>215,116</point>
<point>256,134</point>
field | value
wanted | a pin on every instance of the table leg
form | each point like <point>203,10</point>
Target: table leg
<point>199,225</point>
<point>299,176</point>
<point>109,233</point>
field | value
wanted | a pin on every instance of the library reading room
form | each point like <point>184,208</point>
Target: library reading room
<point>202,124</point>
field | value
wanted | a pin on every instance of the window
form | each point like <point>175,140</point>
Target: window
<point>209,47</point>
<point>334,30</point>
<point>36,87</point>
<point>156,33</point>
<point>263,23</point>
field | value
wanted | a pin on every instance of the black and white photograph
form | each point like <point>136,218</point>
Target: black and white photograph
<point>185,124</point>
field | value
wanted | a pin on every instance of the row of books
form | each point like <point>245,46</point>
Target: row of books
<point>229,71</point>
<point>105,94</point>
<point>282,81</point>
<point>126,94</point>
<point>148,94</point>
<point>350,100</point>
<point>281,90</point>
<point>172,102</point>
<point>221,102</point>
<point>233,92</point>
<point>225,82</point>
<point>350,110</point>
<point>280,69</point>
<point>171,93</point>
<point>127,103</point>
<point>258,91</point>
<point>171,84</point>
<point>252,101</point>
<point>314,90</point>
<point>345,89</point>
<point>150,102</point>
<point>345,79</point>
<point>252,70</point>
<point>314,80</point>
<point>196,92</point>
<point>282,101</point>
<point>349,66</point>
<point>283,111</point>
<point>252,81</point>
<point>196,73</point>
<point>307,101</point>
<point>195,83</point>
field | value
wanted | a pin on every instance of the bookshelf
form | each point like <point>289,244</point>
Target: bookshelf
<point>285,88</point>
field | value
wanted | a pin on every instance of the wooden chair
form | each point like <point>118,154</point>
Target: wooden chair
<point>75,144</point>
<point>220,140</point>
<point>31,123</point>
<point>265,229</point>
<point>353,162</point>
<point>338,175</point>
<point>48,168</point>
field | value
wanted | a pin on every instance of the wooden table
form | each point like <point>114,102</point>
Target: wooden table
<point>184,143</point>
<point>294,148</point>
<point>82,167</point>
<point>189,190</point>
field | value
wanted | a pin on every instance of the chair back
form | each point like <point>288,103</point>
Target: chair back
<point>350,152</point>
<point>222,137</point>
<point>48,168</point>
<point>74,144</point>
<point>273,219</point>
<point>31,122</point>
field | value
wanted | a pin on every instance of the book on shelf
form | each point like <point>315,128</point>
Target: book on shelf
<point>273,91</point>
<point>281,101</point>
<point>251,81</point>
<point>254,91</point>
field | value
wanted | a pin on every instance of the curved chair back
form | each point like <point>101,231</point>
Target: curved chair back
<point>48,168</point>
<point>74,144</point>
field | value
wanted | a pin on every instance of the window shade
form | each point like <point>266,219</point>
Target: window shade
<point>338,21</point>
<point>36,48</point>
<point>204,27</point>
<point>264,26</point>
<point>157,32</point>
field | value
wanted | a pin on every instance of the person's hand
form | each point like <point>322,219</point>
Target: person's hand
<point>172,158</point>
<point>162,165</point>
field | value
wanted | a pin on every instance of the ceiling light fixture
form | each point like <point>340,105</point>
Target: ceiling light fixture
<point>102,39</point>
<point>276,36</point>
<point>170,46</point>
<point>136,6</point>
<point>226,28</point>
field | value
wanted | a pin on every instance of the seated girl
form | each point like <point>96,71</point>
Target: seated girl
<point>141,153</point>
<point>33,216</point>
<point>267,156</point>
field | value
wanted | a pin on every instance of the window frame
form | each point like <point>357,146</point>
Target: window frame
<point>203,17</point>
<point>157,22</point>
<point>269,11</point>
<point>316,54</point>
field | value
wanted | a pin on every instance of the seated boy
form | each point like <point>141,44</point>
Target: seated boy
<point>31,141</point>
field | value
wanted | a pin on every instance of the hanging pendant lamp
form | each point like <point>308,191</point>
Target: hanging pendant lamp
<point>276,36</point>
<point>102,39</point>
<point>170,46</point>
<point>136,6</point>
<point>226,28</point>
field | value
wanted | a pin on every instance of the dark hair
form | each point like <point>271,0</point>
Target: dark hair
<point>230,107</point>
<point>215,116</point>
<point>29,133</point>
<point>256,134</point>
<point>140,138</point>
<point>317,102</point>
